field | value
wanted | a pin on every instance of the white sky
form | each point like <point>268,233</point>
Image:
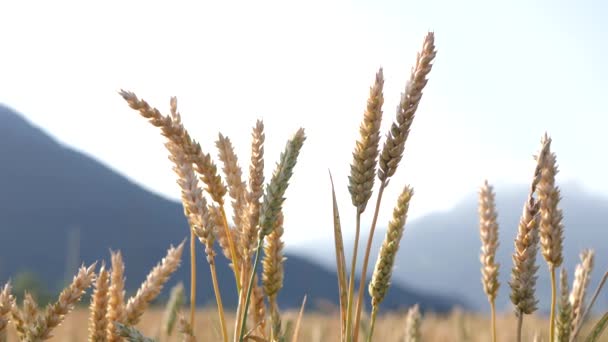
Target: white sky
<point>504,74</point>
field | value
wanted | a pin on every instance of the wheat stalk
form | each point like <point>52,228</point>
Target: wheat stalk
<point>393,148</point>
<point>564,318</point>
<point>116,296</point>
<point>363,172</point>
<point>488,232</point>
<point>523,273</point>
<point>98,323</point>
<point>153,284</point>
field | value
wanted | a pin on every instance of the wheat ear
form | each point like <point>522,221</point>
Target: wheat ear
<point>116,296</point>
<point>393,148</point>
<point>131,334</point>
<point>363,172</point>
<point>173,129</point>
<point>272,204</point>
<point>153,284</point>
<point>523,273</point>
<point>394,145</point>
<point>564,317</point>
<point>582,276</point>
<point>412,325</point>
<point>273,272</point>
<point>30,311</point>
<point>98,322</point>
<point>176,300</point>
<point>56,312</point>
<point>6,299</point>
<point>380,283</point>
<point>551,227</point>
<point>17,319</point>
<point>488,232</point>
<point>233,173</point>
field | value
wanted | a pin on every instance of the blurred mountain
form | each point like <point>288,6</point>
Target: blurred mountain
<point>59,207</point>
<point>440,252</point>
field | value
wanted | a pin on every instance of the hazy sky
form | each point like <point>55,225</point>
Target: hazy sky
<point>504,74</point>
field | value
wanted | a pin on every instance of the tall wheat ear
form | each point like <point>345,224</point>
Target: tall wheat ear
<point>523,273</point>
<point>488,232</point>
<point>392,152</point>
<point>380,283</point>
<point>551,227</point>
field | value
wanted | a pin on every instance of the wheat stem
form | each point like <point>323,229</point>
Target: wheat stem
<point>250,286</point>
<point>192,277</point>
<point>372,324</point>
<point>553,301</point>
<point>368,249</point>
<point>218,299</point>
<point>351,284</point>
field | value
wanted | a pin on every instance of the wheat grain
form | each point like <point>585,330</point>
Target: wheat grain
<point>273,197</point>
<point>386,257</point>
<point>393,148</point>
<point>233,174</point>
<point>582,276</point>
<point>98,323</point>
<point>153,284</point>
<point>116,296</point>
<point>412,325</point>
<point>551,227</point>
<point>488,230</point>
<point>365,156</point>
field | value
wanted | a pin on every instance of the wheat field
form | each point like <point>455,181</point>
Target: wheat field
<point>240,211</point>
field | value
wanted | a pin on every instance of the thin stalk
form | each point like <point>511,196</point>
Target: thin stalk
<point>372,324</point>
<point>249,287</point>
<point>493,308</point>
<point>234,260</point>
<point>351,283</point>
<point>192,276</point>
<point>218,298</point>
<point>368,248</point>
<point>553,299</point>
<point>520,321</point>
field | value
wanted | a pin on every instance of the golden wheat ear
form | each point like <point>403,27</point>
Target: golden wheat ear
<point>412,325</point>
<point>68,298</point>
<point>116,296</point>
<point>98,322</point>
<point>153,284</point>
<point>582,277</point>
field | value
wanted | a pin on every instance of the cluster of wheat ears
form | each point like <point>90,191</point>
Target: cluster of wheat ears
<point>256,228</point>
